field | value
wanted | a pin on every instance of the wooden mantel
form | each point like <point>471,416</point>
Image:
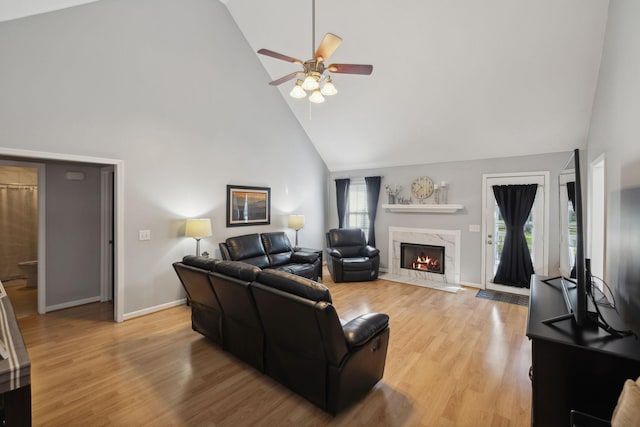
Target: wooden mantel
<point>426,208</point>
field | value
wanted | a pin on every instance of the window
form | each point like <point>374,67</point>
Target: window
<point>357,214</point>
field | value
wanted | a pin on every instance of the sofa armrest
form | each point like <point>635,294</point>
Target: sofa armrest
<point>304,257</point>
<point>370,251</point>
<point>361,329</point>
<point>334,253</point>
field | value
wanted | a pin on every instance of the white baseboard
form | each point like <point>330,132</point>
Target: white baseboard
<point>72,303</point>
<point>472,285</point>
<point>143,312</point>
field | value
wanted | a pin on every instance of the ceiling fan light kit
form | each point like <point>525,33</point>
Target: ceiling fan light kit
<point>316,75</point>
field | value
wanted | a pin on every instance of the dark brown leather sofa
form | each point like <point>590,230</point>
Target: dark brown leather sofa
<point>271,250</point>
<point>286,326</point>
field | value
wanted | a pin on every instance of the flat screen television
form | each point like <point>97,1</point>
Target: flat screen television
<point>575,280</point>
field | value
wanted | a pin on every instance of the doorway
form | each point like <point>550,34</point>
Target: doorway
<point>494,228</point>
<point>117,211</point>
<point>19,230</point>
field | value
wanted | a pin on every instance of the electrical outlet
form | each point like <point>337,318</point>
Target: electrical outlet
<point>144,234</point>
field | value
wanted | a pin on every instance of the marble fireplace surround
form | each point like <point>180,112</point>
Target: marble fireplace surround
<point>450,239</point>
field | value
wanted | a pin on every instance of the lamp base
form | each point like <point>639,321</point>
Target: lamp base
<point>197,247</point>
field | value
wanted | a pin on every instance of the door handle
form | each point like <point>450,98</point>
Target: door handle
<point>489,242</point>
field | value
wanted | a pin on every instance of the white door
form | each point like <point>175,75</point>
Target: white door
<point>494,231</point>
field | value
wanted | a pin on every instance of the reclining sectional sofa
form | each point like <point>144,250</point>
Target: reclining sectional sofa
<point>286,326</point>
<point>272,250</point>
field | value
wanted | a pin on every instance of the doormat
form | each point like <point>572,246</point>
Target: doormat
<point>503,297</point>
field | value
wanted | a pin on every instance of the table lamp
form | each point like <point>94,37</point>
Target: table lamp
<point>198,228</point>
<point>296,222</point>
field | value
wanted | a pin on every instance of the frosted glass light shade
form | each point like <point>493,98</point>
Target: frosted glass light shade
<point>329,89</point>
<point>297,91</point>
<point>199,227</point>
<point>296,222</point>
<point>310,83</point>
<point>316,97</point>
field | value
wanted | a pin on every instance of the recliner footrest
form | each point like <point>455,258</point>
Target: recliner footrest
<point>359,263</point>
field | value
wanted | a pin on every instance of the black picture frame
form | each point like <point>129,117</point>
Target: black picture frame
<point>248,205</point>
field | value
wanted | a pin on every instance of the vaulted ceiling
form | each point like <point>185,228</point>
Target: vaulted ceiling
<point>452,79</point>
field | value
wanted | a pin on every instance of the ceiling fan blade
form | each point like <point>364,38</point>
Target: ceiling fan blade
<point>284,79</point>
<point>277,55</point>
<point>328,45</point>
<point>350,68</point>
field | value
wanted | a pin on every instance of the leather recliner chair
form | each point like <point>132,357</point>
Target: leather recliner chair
<point>349,258</point>
<point>308,350</point>
<point>206,313</point>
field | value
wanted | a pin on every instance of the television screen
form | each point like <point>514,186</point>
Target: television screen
<point>573,282</point>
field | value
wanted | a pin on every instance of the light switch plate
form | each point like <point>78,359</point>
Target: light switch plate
<point>474,228</point>
<point>144,235</point>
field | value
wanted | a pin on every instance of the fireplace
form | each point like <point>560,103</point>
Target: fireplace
<point>447,276</point>
<point>419,257</point>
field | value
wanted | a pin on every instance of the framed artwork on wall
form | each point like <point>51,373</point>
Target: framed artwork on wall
<point>248,205</point>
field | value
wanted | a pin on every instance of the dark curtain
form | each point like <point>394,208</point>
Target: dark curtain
<point>373,193</point>
<point>571,192</point>
<point>342,197</point>
<point>515,202</point>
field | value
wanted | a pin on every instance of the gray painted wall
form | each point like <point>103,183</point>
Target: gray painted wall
<point>173,90</point>
<point>73,234</point>
<point>615,133</point>
<point>464,181</point>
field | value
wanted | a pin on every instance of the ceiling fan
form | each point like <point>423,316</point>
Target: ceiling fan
<point>315,77</point>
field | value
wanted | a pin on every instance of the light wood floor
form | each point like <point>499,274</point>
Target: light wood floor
<point>453,360</point>
<point>23,300</point>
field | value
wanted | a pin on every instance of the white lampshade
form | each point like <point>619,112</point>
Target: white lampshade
<point>296,222</point>
<point>310,83</point>
<point>297,91</point>
<point>316,97</point>
<point>328,88</point>
<point>199,227</point>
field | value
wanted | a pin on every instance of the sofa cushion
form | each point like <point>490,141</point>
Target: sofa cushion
<point>278,247</point>
<point>202,262</point>
<point>295,285</point>
<point>304,257</point>
<point>304,270</point>
<point>238,269</point>
<point>248,248</point>
<point>627,411</point>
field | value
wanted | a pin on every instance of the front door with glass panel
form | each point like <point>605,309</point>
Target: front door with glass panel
<point>495,229</point>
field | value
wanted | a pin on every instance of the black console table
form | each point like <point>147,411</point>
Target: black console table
<point>571,368</point>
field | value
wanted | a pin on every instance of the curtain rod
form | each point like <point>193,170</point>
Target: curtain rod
<point>357,177</point>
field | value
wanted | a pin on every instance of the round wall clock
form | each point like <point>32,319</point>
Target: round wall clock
<point>422,187</point>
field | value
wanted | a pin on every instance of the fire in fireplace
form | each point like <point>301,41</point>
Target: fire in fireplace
<point>427,258</point>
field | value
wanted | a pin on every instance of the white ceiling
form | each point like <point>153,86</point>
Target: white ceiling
<point>452,79</point>
<point>13,9</point>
